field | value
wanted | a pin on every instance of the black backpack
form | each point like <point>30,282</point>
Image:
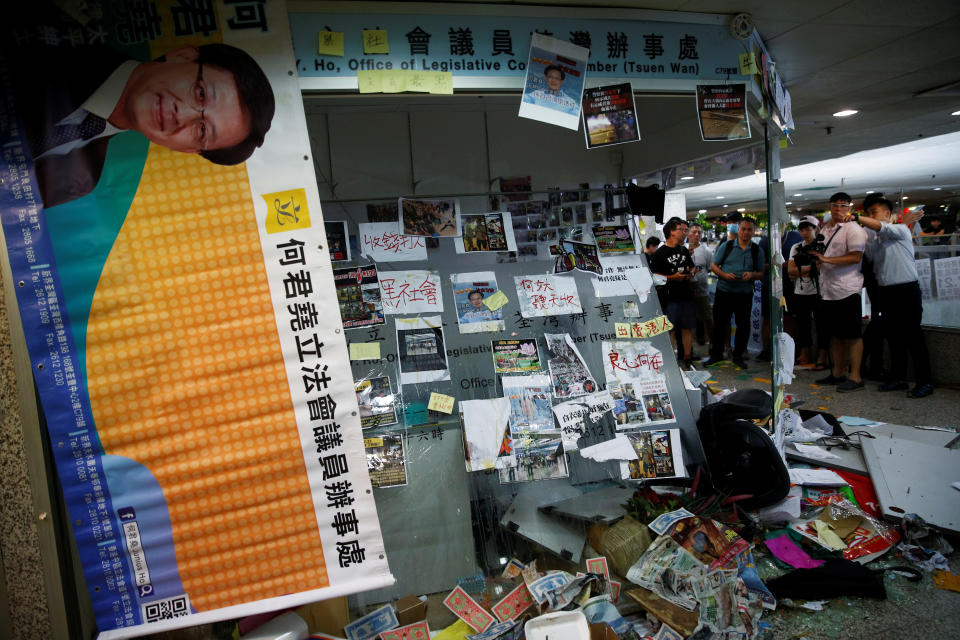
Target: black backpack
<point>741,457</point>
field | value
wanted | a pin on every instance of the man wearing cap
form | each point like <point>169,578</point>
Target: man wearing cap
<point>804,304</point>
<point>840,285</point>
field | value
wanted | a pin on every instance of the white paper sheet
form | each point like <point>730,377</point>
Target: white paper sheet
<point>622,276</point>
<point>634,376</point>
<point>617,448</point>
<point>573,415</point>
<point>547,295</point>
<point>813,451</point>
<point>484,423</point>
<point>816,477</point>
<point>382,242</point>
<point>404,292</point>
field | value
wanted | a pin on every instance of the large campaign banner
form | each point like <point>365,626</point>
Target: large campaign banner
<point>168,252</point>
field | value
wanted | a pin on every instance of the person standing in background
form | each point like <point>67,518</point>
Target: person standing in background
<point>673,262</point>
<point>699,287</point>
<point>737,264</point>
<point>804,304</point>
<point>840,285</point>
<point>890,248</point>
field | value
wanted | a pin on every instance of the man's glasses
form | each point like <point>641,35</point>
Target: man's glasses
<point>842,205</point>
<point>200,100</point>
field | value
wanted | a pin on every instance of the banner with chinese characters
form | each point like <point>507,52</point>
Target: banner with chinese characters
<point>487,51</point>
<point>163,225</point>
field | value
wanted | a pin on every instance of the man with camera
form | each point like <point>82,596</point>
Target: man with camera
<point>840,285</point>
<point>890,248</point>
<point>805,301</point>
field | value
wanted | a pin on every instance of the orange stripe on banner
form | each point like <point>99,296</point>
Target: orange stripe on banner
<point>186,377</point>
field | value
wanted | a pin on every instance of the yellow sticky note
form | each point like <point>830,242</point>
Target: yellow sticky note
<point>622,329</point>
<point>784,143</point>
<point>364,350</point>
<point>441,82</point>
<point>330,43</point>
<point>418,81</point>
<point>287,210</point>
<point>496,301</point>
<point>369,82</point>
<point>748,64</point>
<point>441,402</point>
<point>375,41</point>
<point>371,443</point>
<point>394,80</point>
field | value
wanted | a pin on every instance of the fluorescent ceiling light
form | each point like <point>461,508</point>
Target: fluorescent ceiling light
<point>905,198</point>
<point>845,113</point>
<point>725,206</point>
<point>936,188</point>
<point>869,192</point>
<point>797,195</point>
<point>719,197</point>
<point>787,203</point>
<point>687,178</point>
<point>742,209</point>
<point>702,211</point>
<point>955,113</point>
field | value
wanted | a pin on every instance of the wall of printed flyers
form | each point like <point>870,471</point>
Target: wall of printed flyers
<point>527,385</point>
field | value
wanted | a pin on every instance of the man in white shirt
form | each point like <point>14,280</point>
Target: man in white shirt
<point>840,285</point>
<point>891,251</point>
<point>699,287</point>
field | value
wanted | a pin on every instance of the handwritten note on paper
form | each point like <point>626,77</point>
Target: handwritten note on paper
<point>441,402</point>
<point>748,64</point>
<point>375,41</point>
<point>547,295</point>
<point>404,292</point>
<point>330,43</point>
<point>364,350</point>
<point>380,242</point>
<point>647,329</point>
<point>402,80</point>
<point>369,82</point>
<point>496,301</point>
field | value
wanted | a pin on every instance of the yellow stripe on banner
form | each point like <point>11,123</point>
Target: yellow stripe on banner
<point>186,377</point>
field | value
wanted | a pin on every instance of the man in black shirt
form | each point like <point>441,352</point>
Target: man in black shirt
<point>673,261</point>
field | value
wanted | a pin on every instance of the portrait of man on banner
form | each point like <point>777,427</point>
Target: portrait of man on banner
<point>213,100</point>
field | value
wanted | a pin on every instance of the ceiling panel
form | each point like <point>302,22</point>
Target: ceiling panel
<point>891,13</point>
